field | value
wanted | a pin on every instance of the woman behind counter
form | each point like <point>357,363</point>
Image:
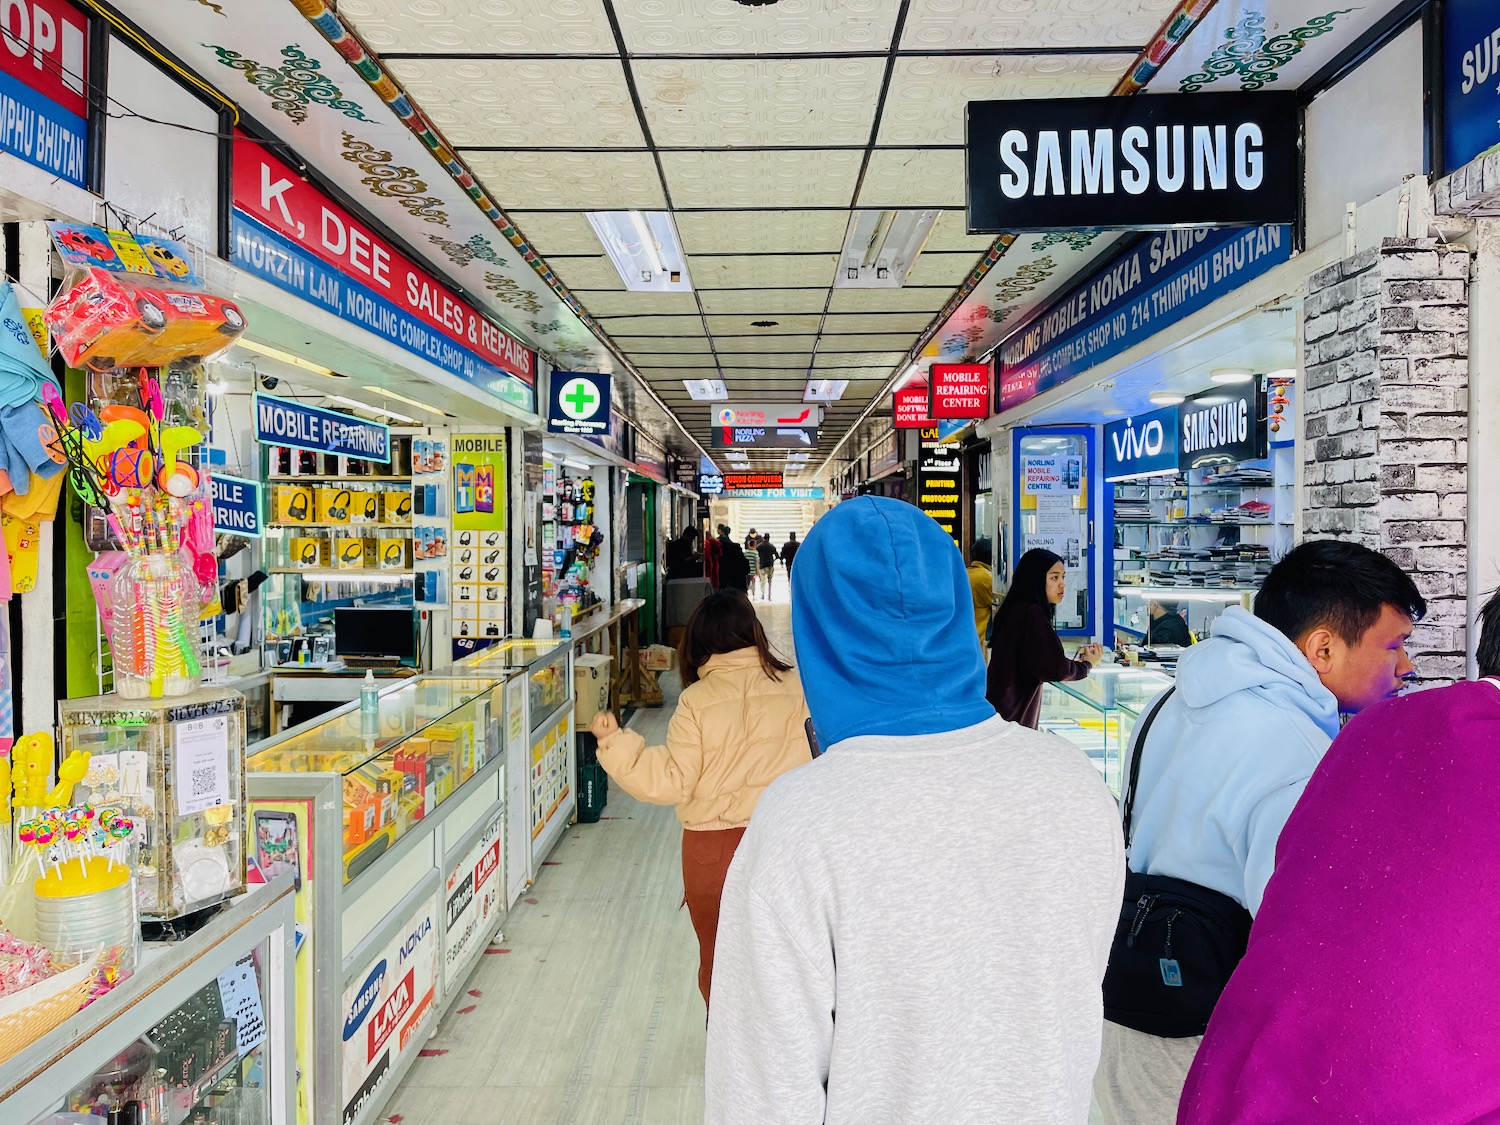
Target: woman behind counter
<point>1025,651</point>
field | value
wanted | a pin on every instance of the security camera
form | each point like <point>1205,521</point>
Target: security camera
<point>269,382</point>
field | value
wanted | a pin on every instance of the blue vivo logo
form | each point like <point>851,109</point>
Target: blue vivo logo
<point>1139,446</point>
<point>365,1001</point>
<point>1134,443</point>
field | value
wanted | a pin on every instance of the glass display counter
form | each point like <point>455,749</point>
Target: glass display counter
<point>540,744</point>
<point>1099,714</point>
<point>198,1035</point>
<point>394,831</point>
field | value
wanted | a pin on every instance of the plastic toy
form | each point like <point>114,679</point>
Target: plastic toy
<point>74,769</point>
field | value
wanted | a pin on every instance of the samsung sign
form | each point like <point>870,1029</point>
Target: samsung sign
<point>1223,426</point>
<point>1132,163</point>
<point>1142,446</point>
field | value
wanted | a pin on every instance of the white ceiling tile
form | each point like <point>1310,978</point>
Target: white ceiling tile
<point>743,271</point>
<point>594,181</point>
<point>668,360</point>
<point>938,25</point>
<point>785,359</point>
<point>724,27</point>
<point>559,232</point>
<point>762,342</point>
<point>657,345</point>
<point>653,326</point>
<point>862,377</point>
<point>501,103</point>
<point>742,326</point>
<point>730,232</point>
<point>928,96</point>
<point>942,269</point>
<point>811,178</point>
<point>877,322</point>
<point>585,274</point>
<point>914,177</point>
<point>888,300</point>
<point>949,234</point>
<point>624,303</point>
<point>716,102</point>
<point>857,359</point>
<point>490,26</point>
<point>767,301</point>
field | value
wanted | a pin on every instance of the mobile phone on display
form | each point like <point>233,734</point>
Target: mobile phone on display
<point>276,847</point>
<point>812,738</point>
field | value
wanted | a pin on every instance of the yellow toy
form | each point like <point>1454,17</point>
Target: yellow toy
<point>32,755</point>
<point>4,790</point>
<point>69,774</point>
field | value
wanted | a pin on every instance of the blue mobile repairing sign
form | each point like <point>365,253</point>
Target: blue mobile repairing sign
<point>237,506</point>
<point>279,421</point>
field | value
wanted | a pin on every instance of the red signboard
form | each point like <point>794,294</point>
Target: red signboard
<point>279,198</point>
<point>46,45</point>
<point>911,408</point>
<point>734,481</point>
<point>960,390</point>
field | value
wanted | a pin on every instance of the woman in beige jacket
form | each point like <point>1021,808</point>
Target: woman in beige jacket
<point>739,725</point>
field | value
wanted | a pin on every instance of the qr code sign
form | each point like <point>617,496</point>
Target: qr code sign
<point>201,774</point>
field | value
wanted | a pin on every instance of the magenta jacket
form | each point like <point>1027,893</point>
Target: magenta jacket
<point>1370,993</point>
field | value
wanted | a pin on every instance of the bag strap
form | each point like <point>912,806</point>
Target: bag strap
<point>1135,764</point>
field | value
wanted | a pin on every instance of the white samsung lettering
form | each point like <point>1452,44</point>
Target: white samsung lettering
<point>1213,426</point>
<point>1210,157</point>
<point>1137,178</point>
<point>1170,177</point>
<point>1094,165</point>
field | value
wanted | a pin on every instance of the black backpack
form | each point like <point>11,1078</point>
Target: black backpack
<point>1176,945</point>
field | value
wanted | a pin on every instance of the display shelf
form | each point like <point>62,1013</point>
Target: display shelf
<point>1190,522</point>
<point>1098,714</point>
<point>117,1048</point>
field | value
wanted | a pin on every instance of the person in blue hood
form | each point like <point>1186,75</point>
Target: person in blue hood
<point>940,884</point>
<point>1231,749</point>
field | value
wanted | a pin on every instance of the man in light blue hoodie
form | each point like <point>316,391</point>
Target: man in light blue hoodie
<point>916,924</point>
<point>1253,711</point>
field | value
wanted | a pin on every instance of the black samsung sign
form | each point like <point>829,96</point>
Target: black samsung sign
<point>1132,163</point>
<point>1223,426</point>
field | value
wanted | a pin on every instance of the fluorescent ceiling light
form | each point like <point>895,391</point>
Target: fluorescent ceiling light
<point>644,248</point>
<point>824,390</point>
<point>1228,375</point>
<point>357,405</point>
<point>803,456</point>
<point>1167,398</point>
<point>706,390</point>
<point>880,248</point>
<point>402,398</point>
<point>287,357</point>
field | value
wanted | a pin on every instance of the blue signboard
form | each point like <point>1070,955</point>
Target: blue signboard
<point>778,494</point>
<point>578,403</point>
<point>1471,80</point>
<point>279,421</point>
<point>42,133</point>
<point>1141,446</point>
<point>260,251</point>
<point>237,506</point>
<point>1160,281</point>
<point>710,484</point>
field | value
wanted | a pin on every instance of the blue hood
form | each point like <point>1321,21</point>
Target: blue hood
<point>883,624</point>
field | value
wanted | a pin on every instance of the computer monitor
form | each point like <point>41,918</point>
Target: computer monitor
<point>384,632</point>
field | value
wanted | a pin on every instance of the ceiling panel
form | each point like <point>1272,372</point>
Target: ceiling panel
<point>888,300</point>
<point>587,273</point>
<point>625,303</point>
<point>761,232</point>
<point>948,234</point>
<point>503,103</point>
<point>594,181</point>
<point>759,300</point>
<point>942,269</point>
<point>717,102</point>
<point>653,326</point>
<point>937,25</point>
<point>680,345</point>
<point>876,322</point>
<point>737,180</point>
<point>740,325</point>
<point>737,271</point>
<point>762,342</point>
<point>887,360</point>
<point>723,27</point>
<point>494,26</point>
<point>914,177</point>
<point>557,232</point>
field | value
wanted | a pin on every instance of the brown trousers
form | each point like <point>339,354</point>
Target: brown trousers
<point>705,862</point>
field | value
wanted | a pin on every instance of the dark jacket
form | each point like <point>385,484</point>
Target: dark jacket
<point>789,552</point>
<point>682,560</point>
<point>1025,653</point>
<point>767,555</point>
<point>734,567</point>
<point>1168,629</point>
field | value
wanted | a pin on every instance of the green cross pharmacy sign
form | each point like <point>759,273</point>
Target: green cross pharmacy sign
<point>579,404</point>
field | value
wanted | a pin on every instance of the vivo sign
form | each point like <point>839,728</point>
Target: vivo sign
<point>1141,446</point>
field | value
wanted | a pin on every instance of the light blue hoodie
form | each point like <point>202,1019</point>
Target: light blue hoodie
<point>1228,757</point>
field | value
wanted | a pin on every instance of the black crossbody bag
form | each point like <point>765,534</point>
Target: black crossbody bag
<point>1176,945</point>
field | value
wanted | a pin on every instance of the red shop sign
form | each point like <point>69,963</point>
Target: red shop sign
<point>911,408</point>
<point>734,481</point>
<point>270,192</point>
<point>46,48</point>
<point>960,390</point>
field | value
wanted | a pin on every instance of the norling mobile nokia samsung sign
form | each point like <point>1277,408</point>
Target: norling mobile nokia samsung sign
<point>1132,163</point>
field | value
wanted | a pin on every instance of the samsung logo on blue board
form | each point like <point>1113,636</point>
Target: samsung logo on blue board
<point>1140,446</point>
<point>365,1001</point>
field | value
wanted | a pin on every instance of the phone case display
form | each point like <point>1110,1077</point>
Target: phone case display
<point>431,512</point>
<point>479,554</point>
<point>432,736</point>
<point>571,544</point>
<point>176,769</point>
<point>1099,713</point>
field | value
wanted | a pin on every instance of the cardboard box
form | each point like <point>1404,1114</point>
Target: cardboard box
<point>590,687</point>
<point>365,507</point>
<point>310,553</point>
<point>294,503</point>
<point>335,505</point>
<point>659,658</point>
<point>349,552</point>
<point>392,554</point>
<point>395,507</point>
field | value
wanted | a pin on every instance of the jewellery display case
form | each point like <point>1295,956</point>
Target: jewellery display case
<point>200,1034</point>
<point>1098,714</point>
<point>394,832</point>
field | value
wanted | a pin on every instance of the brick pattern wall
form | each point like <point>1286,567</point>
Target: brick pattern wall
<point>1385,404</point>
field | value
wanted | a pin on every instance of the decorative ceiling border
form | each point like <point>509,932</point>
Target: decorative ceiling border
<point>1176,28</point>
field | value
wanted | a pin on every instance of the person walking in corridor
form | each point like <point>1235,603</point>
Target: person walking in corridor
<point>739,725</point>
<point>1026,652</point>
<point>734,567</point>
<point>881,960</point>
<point>982,587</point>
<point>767,554</point>
<point>789,552</point>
